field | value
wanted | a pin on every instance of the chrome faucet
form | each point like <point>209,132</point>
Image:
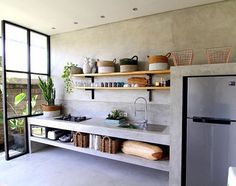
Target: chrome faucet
<point>144,110</point>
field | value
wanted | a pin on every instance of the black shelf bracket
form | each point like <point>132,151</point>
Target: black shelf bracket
<point>92,78</point>
<point>149,79</point>
<point>92,90</point>
<point>149,84</point>
<point>149,95</point>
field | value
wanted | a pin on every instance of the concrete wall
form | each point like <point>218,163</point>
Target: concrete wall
<point>195,28</point>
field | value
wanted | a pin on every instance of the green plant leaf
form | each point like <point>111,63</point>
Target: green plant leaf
<point>19,98</point>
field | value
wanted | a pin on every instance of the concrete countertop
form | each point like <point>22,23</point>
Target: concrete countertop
<point>97,126</point>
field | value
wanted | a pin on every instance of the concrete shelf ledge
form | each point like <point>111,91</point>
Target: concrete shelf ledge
<point>160,165</point>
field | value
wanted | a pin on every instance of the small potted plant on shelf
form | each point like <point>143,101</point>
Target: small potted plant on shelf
<point>49,94</point>
<point>115,117</point>
<point>70,69</point>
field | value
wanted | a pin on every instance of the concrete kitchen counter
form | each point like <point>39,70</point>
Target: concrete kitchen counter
<point>97,126</point>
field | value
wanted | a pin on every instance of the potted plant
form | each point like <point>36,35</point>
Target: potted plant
<point>49,94</point>
<point>115,117</point>
<point>70,69</point>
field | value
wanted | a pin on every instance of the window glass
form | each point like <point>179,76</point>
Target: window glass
<point>16,48</point>
<point>36,93</point>
<point>16,137</point>
<point>38,53</point>
<point>17,104</point>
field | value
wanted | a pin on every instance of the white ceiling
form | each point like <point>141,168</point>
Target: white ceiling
<point>42,15</point>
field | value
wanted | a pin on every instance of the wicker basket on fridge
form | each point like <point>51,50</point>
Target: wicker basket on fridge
<point>110,145</point>
<point>183,57</point>
<point>81,139</point>
<point>218,55</point>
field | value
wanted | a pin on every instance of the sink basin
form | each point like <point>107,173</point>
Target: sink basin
<point>157,128</point>
<point>150,127</point>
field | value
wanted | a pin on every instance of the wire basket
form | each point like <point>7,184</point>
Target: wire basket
<point>183,57</point>
<point>218,55</point>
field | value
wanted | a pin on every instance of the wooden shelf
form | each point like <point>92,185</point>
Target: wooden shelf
<point>151,72</point>
<point>160,165</point>
<point>123,88</point>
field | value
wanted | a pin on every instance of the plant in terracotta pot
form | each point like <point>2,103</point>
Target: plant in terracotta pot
<point>49,94</point>
<point>70,69</point>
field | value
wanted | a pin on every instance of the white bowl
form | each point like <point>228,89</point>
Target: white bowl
<point>158,66</point>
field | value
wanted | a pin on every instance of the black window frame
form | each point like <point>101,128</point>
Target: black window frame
<point>29,92</point>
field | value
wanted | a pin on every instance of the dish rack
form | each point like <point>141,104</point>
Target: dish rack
<point>218,55</point>
<point>183,57</point>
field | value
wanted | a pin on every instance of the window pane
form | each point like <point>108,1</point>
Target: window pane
<point>37,97</point>
<point>38,49</point>
<point>16,94</point>
<point>16,48</point>
<point>16,128</point>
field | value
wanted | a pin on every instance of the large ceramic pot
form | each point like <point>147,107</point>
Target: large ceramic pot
<point>51,110</point>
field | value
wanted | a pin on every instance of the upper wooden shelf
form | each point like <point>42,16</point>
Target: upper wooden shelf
<point>124,88</point>
<point>125,73</point>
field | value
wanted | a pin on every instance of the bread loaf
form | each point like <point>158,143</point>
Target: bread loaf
<point>144,150</point>
<point>141,81</point>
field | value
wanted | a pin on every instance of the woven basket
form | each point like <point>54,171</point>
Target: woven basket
<point>81,139</point>
<point>110,145</point>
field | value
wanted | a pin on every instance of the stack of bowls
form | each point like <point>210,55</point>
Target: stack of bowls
<point>106,66</point>
<point>158,62</point>
<point>129,64</point>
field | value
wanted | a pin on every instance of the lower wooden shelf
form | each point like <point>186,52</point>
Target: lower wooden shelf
<point>159,165</point>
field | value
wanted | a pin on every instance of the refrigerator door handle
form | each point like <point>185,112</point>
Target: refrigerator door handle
<point>211,120</point>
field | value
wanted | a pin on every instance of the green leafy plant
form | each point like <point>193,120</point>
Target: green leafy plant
<point>18,124</point>
<point>66,75</point>
<point>48,90</point>
<point>116,115</point>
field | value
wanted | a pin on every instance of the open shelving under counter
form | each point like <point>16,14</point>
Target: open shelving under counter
<point>160,165</point>
<point>98,127</point>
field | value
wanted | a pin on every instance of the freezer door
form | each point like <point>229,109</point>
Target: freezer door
<point>212,97</point>
<point>210,152</point>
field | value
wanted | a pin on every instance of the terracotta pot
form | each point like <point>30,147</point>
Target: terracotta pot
<point>51,110</point>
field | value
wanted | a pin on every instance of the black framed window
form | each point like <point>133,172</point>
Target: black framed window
<point>26,56</point>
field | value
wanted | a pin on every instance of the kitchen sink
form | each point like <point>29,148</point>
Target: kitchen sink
<point>150,127</point>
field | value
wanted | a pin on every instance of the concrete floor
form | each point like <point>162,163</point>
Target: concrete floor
<point>59,167</point>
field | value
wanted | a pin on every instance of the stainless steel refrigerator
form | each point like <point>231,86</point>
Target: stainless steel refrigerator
<point>209,133</point>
